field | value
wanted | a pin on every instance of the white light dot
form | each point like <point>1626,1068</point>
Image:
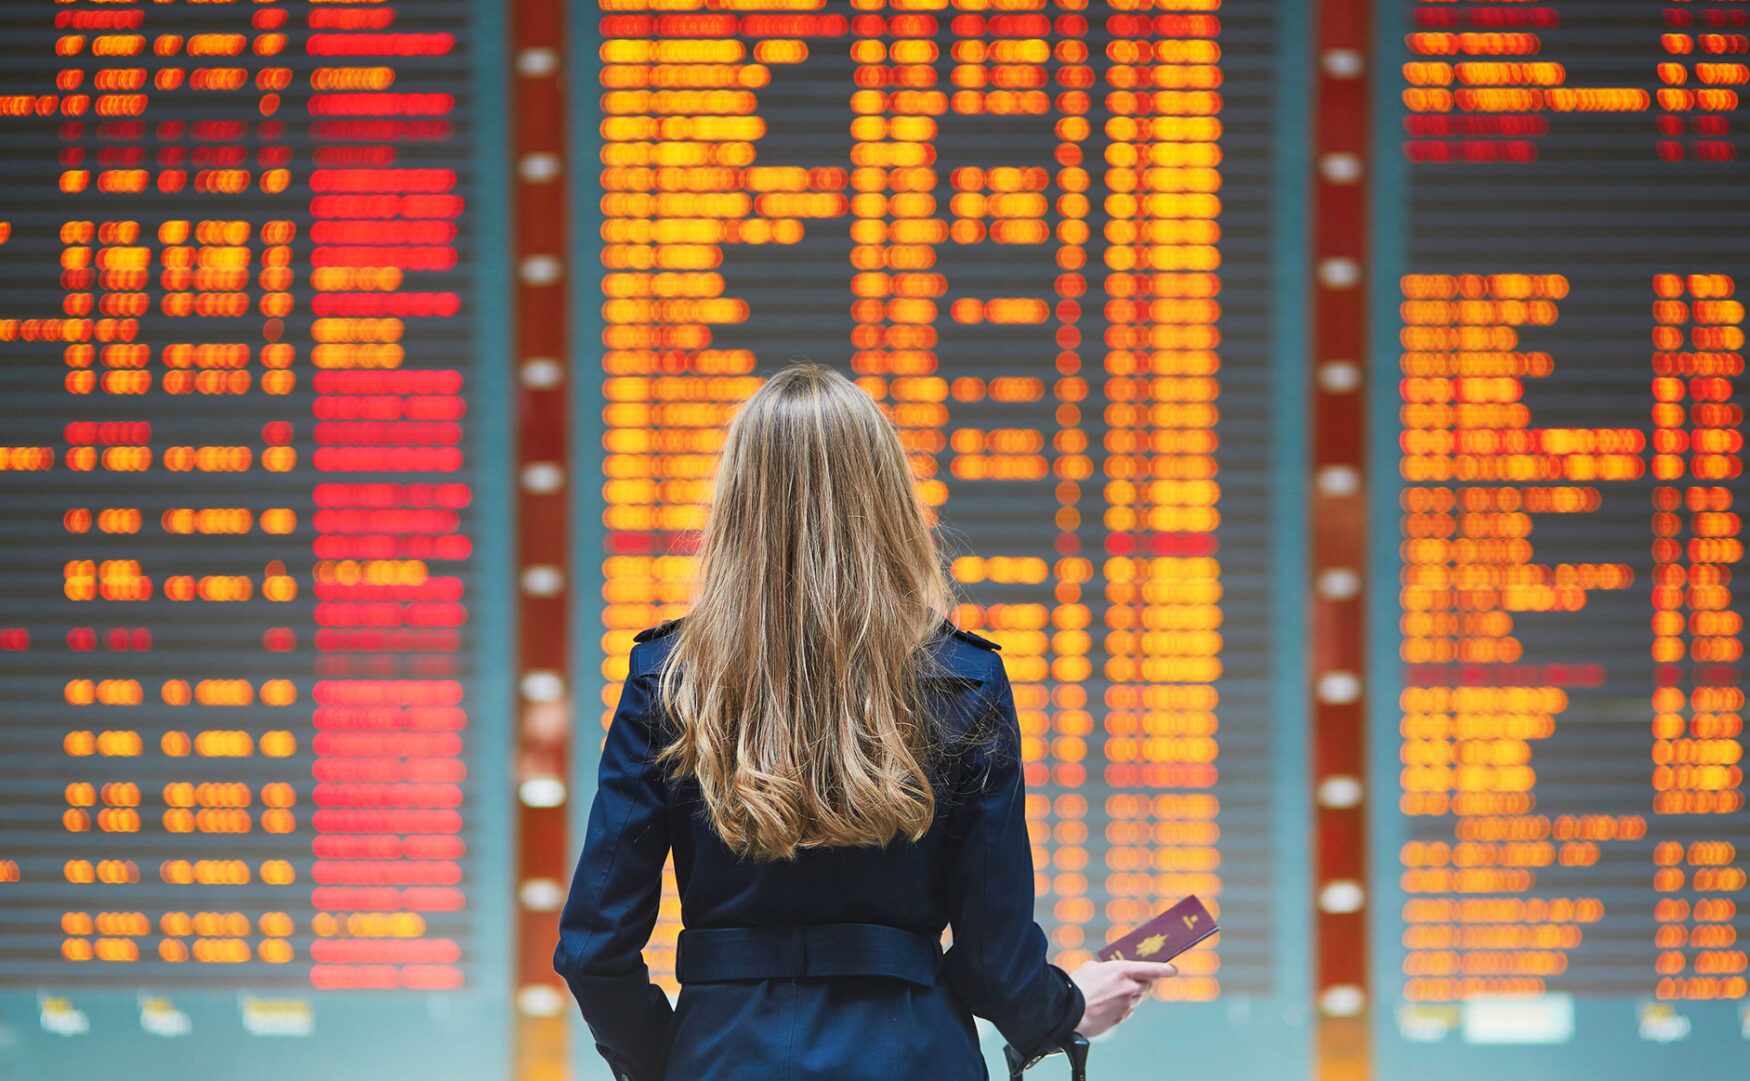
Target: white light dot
<point>540,269</point>
<point>1340,167</point>
<point>541,894</point>
<point>542,373</point>
<point>1340,790</point>
<point>1342,1000</point>
<point>543,685</point>
<point>1338,480</point>
<point>538,167</point>
<point>543,580</point>
<point>539,1000</point>
<point>537,62</point>
<point>1339,584</point>
<point>1339,272</point>
<point>543,477</point>
<point>542,792</point>
<point>1339,376</point>
<point>1339,688</point>
<point>1343,896</point>
<point>1343,63</point>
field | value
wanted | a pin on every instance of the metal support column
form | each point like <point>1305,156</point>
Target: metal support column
<point>544,680</point>
<point>1337,513</point>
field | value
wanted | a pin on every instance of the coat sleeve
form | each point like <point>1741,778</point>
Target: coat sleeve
<point>997,962</point>
<point>611,909</point>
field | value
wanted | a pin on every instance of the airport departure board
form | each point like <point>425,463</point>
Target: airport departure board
<point>1561,223</point>
<point>255,570</point>
<point>248,542</point>
<point>1042,234</point>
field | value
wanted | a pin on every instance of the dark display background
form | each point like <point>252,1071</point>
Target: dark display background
<point>386,686</point>
<point>1606,201</point>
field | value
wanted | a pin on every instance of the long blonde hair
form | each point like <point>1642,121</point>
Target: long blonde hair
<point>794,678</point>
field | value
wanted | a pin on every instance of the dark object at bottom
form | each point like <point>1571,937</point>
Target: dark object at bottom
<point>1076,1047</point>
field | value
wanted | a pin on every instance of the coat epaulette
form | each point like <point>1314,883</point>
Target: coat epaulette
<point>977,640</point>
<point>665,627</point>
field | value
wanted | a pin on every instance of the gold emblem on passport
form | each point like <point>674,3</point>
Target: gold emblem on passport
<point>1167,935</point>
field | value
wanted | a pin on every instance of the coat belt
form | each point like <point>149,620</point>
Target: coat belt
<point>706,954</point>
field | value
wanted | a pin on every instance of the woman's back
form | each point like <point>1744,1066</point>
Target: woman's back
<point>828,966</point>
<point>837,771</point>
<point>900,884</point>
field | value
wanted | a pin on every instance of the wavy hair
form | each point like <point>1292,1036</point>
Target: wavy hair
<point>794,679</point>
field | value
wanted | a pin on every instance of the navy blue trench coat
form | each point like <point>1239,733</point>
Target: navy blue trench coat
<point>828,968</point>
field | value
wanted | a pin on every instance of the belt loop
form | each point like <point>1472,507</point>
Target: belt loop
<point>798,959</point>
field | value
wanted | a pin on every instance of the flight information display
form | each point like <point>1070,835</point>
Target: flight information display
<point>1561,836</point>
<point>1041,233</point>
<point>248,505</point>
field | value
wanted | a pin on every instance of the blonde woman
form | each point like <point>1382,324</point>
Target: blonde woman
<point>837,771</point>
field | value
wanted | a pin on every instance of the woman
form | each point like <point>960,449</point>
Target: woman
<point>837,769</point>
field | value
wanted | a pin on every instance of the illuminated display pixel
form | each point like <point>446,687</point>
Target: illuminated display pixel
<point>1036,232</point>
<point>237,644</point>
<point>1561,338</point>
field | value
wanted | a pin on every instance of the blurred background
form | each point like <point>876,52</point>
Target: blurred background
<point>1330,408</point>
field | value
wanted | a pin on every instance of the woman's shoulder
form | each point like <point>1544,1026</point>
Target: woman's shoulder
<point>650,645</point>
<point>963,674</point>
<point>661,630</point>
<point>952,630</point>
<point>963,654</point>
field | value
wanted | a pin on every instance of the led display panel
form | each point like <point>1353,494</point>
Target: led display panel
<point>1559,805</point>
<point>1043,234</point>
<point>250,621</point>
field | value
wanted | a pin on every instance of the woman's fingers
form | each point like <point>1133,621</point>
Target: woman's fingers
<point>1147,972</point>
<point>1132,1001</point>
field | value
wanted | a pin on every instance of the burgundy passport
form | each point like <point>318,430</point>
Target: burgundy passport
<point>1166,936</point>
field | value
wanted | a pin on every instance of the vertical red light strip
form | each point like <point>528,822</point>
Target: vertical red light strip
<point>387,618</point>
<point>542,343</point>
<point>1338,525</point>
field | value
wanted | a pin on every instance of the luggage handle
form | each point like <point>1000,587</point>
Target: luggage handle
<point>1075,1048</point>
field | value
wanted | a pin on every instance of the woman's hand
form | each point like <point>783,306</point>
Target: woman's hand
<point>1111,989</point>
